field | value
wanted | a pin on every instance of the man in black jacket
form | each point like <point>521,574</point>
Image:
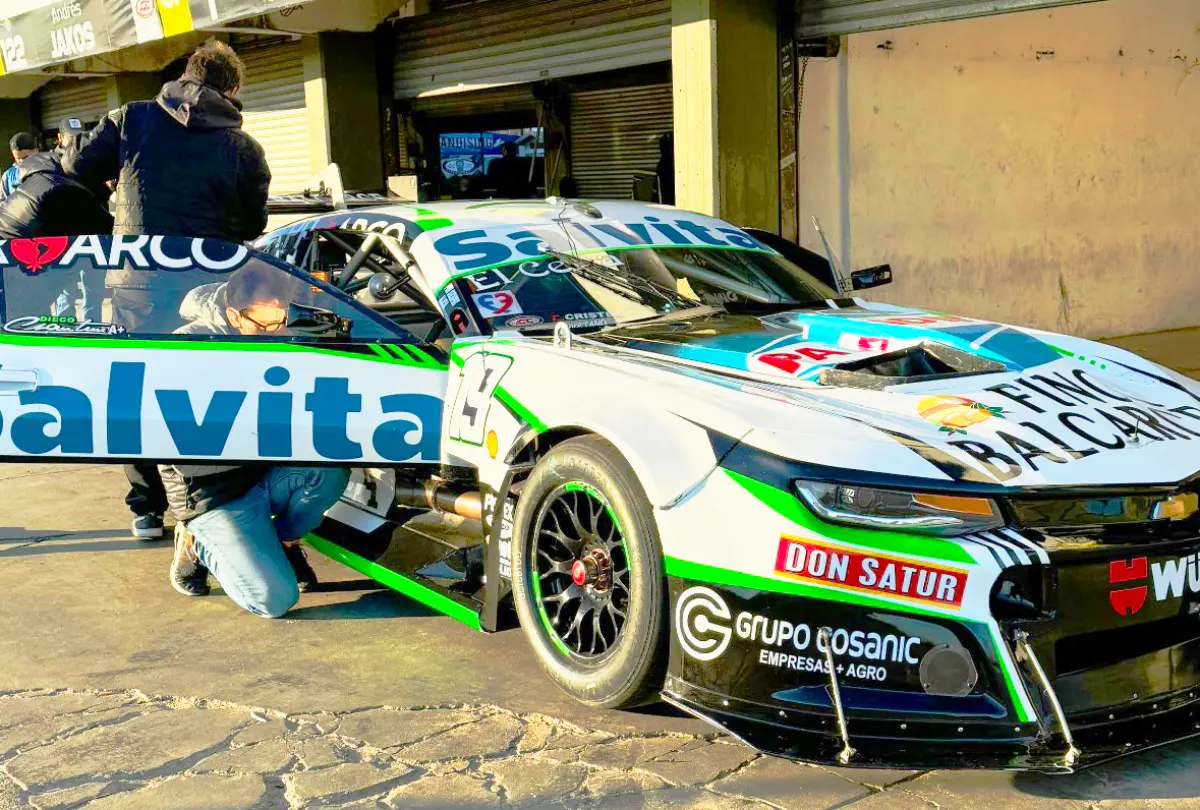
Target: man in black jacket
<point>48,203</point>
<point>183,167</point>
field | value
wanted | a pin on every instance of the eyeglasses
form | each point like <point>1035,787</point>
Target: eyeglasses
<point>274,326</point>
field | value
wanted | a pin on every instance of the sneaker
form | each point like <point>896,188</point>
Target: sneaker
<point>306,577</point>
<point>148,527</point>
<point>188,576</point>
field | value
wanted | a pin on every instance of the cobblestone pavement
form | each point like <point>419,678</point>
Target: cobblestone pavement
<point>118,694</point>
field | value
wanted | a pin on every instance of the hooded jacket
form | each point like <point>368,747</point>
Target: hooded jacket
<point>203,311</point>
<point>48,203</point>
<point>182,163</point>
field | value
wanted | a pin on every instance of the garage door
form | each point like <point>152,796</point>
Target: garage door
<point>615,133</point>
<point>488,44</point>
<point>828,17</point>
<point>85,99</point>
<point>274,111</point>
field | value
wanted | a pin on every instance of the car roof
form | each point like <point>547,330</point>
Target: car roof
<point>434,228</point>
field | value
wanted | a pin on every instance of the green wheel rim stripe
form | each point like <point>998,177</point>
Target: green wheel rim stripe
<point>535,583</point>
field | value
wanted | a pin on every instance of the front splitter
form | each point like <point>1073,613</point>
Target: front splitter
<point>916,743</point>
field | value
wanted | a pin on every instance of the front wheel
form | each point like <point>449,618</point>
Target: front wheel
<point>588,579</point>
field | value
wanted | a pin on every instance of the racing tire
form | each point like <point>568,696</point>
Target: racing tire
<point>589,473</point>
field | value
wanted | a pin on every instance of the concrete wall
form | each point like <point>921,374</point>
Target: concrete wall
<point>1038,168</point>
<point>726,97</point>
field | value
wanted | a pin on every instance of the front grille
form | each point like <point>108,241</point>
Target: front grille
<point>1107,647</point>
<point>1102,517</point>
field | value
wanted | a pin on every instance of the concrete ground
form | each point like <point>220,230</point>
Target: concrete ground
<point>116,692</point>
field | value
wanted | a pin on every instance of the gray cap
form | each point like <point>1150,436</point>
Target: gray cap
<point>72,126</point>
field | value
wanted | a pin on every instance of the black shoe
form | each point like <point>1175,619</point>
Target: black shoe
<point>188,576</point>
<point>148,527</point>
<point>306,577</point>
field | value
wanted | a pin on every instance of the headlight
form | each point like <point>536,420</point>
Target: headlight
<point>922,512</point>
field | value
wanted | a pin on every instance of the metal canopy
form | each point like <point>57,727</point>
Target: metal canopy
<point>816,18</point>
<point>59,32</point>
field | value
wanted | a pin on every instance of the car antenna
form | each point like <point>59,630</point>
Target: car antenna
<point>843,286</point>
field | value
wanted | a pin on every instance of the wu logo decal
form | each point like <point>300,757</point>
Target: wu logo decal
<point>701,623</point>
<point>1127,601</point>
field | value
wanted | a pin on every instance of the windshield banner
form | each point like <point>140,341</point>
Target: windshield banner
<point>470,250</point>
<point>71,29</point>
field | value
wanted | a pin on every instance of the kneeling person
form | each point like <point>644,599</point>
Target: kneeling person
<point>244,524</point>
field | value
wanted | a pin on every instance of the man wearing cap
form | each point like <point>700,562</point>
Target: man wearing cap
<point>23,145</point>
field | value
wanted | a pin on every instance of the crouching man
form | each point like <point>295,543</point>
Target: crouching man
<point>243,524</point>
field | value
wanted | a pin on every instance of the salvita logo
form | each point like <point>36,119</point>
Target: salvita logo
<point>475,249</point>
<point>1169,579</point>
<point>248,410</point>
<point>879,574</point>
<point>701,623</point>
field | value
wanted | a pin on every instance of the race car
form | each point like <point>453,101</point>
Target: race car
<point>841,531</point>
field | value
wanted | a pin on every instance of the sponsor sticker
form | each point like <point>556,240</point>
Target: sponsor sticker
<point>705,627</point>
<point>865,572</point>
<point>956,414</point>
<point>159,253</point>
<point>1138,580</point>
<point>58,325</point>
<point>144,8</point>
<point>520,321</point>
<point>495,304</point>
<point>791,355</point>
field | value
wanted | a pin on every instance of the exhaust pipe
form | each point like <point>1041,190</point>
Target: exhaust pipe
<point>441,496</point>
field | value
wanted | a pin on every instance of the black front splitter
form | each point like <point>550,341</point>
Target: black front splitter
<point>918,744</point>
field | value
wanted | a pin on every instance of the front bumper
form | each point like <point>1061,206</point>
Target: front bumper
<point>770,686</point>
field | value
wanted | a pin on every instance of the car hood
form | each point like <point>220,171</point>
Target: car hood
<point>800,345</point>
<point>955,398</point>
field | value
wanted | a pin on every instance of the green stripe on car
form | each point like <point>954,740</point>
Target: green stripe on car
<point>405,585</point>
<point>789,506</point>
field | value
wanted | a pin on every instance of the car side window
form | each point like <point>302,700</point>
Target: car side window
<point>171,286</point>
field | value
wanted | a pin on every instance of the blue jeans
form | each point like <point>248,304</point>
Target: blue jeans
<point>241,542</point>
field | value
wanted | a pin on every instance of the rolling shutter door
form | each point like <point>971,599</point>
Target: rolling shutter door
<point>615,133</point>
<point>85,99</point>
<point>274,112</point>
<point>831,17</point>
<point>489,44</point>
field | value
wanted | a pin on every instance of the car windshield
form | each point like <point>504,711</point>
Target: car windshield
<point>597,288</point>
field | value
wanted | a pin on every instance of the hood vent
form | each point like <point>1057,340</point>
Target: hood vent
<point>925,362</point>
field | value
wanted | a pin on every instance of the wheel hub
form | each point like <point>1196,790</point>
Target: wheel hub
<point>593,570</point>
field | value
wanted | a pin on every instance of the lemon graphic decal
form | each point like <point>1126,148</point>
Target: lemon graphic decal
<point>956,414</point>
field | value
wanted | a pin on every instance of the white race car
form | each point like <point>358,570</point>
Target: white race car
<point>842,531</point>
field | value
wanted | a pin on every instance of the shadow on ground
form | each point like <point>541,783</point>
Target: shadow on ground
<point>1170,772</point>
<point>20,542</point>
<point>376,602</point>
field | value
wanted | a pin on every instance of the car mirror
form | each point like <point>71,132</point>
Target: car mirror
<point>871,277</point>
<point>317,321</point>
<point>383,286</point>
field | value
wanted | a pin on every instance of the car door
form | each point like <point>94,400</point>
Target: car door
<point>161,348</point>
